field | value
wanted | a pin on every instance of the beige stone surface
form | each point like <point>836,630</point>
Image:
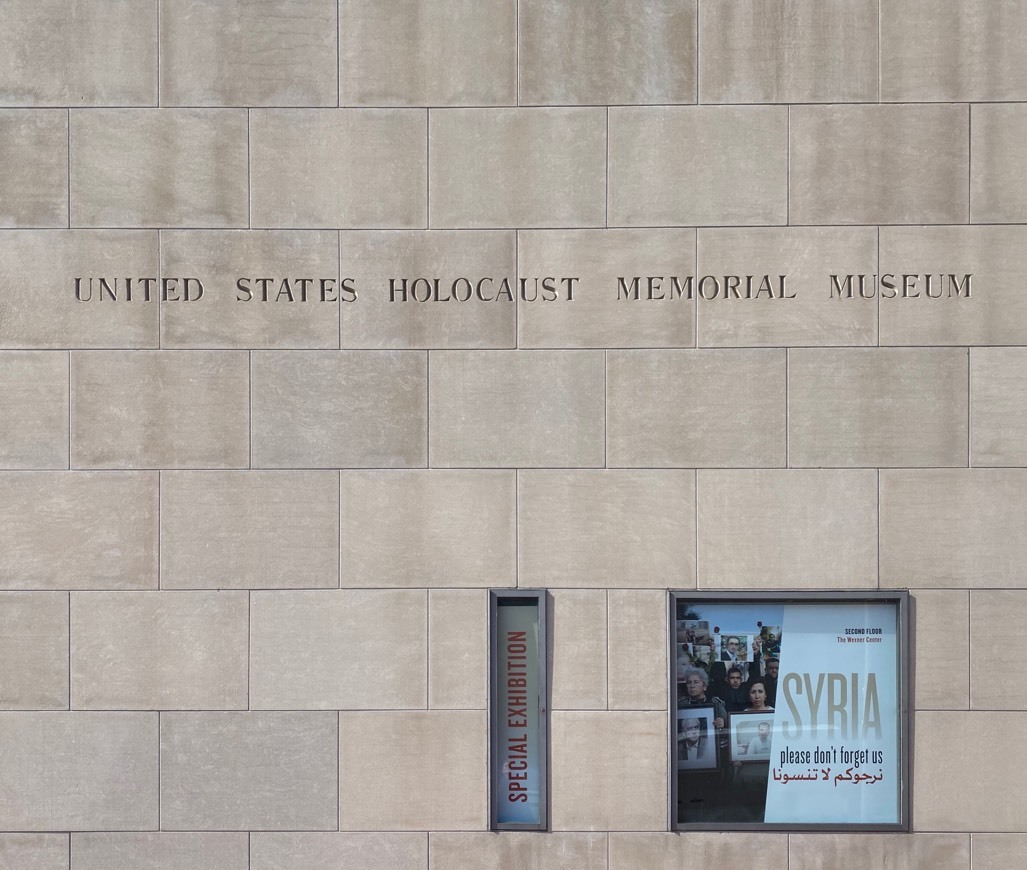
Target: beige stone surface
<point>676,165</point>
<point>601,314</point>
<point>415,320</point>
<point>159,650</point>
<point>983,790</point>
<point>252,529</point>
<point>413,528</point>
<point>33,651</point>
<point>894,851</point>
<point>810,529</point>
<point>998,151</point>
<point>38,307</point>
<point>344,408</point>
<point>338,168</point>
<point>994,313</point>
<point>517,850</point>
<point>55,53</point>
<point>33,409</point>
<point>878,164</point>
<point>78,771</point>
<point>953,528</point>
<point>537,167</point>
<point>454,52</point>
<point>998,406</point>
<point>34,851</point>
<point>638,51</point>
<point>186,168</point>
<point>248,771</point>
<point>166,409</point>
<point>808,256</point>
<point>689,408</point>
<point>578,640</point>
<point>159,851</point>
<point>949,50</point>
<point>996,632</point>
<point>595,784</point>
<point>941,649</point>
<point>278,270</point>
<point>877,407</point>
<point>458,649</point>
<point>305,851</point>
<point>996,851</point>
<point>248,53</point>
<point>444,754</point>
<point>345,649</point>
<point>606,528</point>
<point>508,408</point>
<point>33,168</point>
<point>78,530</point>
<point>637,660</point>
<point>799,51</point>
<point>665,851</point>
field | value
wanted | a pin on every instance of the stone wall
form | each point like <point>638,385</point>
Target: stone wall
<point>245,545</point>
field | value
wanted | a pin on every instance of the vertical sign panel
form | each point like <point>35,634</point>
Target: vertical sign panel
<point>519,788</point>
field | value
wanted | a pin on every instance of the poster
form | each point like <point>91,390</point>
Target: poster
<point>809,721</point>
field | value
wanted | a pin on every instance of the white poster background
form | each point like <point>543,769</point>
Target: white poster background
<point>815,644</point>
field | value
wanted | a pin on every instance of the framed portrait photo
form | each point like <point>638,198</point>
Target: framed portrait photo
<point>697,740</point>
<point>749,737</point>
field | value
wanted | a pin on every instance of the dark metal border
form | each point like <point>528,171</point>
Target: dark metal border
<point>903,674</point>
<point>540,597</point>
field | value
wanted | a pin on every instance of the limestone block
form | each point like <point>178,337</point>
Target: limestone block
<point>516,408</point>
<point>953,51</point>
<point>878,164</point>
<point>458,649</point>
<point>33,652</point>
<point>427,53</point>
<point>153,851</point>
<point>347,168</point>
<point>343,649</point>
<point>953,528</point>
<point>606,528</point>
<point>601,313</point>
<point>78,771</point>
<point>55,53</point>
<point>248,53</point>
<point>186,168</point>
<point>388,759</point>
<point>517,167</point>
<point>803,529</point>
<point>39,308</point>
<point>249,529</point>
<point>625,790</point>
<point>405,314</point>
<point>877,407</point>
<point>249,771</point>
<point>696,408</point>
<point>799,51</point>
<point>998,406</point>
<point>637,661</point>
<point>253,289</point>
<point>78,530</point>
<point>34,409</point>
<point>606,52</point>
<point>159,650</point>
<point>428,528</point>
<point>159,409</point>
<point>684,165</point>
<point>33,168</point>
<point>325,409</point>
